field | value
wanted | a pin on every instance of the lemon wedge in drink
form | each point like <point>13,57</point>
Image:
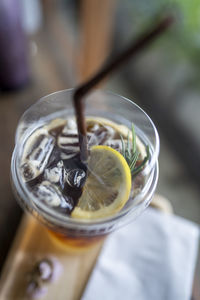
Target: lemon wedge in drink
<point>107,186</point>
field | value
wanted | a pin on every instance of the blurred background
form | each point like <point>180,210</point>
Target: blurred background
<point>50,45</point>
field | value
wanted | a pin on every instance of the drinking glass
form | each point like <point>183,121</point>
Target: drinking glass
<point>78,234</point>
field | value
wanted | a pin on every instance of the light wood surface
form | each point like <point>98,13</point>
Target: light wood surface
<point>32,243</point>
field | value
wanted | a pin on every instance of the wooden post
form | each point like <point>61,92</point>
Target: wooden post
<point>96,28</point>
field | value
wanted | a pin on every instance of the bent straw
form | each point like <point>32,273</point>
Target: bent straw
<point>135,47</point>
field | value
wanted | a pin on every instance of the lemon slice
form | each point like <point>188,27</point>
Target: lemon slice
<point>107,187</point>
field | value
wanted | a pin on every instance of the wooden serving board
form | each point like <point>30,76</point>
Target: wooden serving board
<point>32,243</point>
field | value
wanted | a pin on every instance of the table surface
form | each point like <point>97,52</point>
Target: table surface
<point>33,243</point>
<point>51,70</point>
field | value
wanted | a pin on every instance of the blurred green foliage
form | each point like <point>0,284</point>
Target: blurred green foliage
<point>186,12</point>
<point>181,42</point>
<point>190,10</point>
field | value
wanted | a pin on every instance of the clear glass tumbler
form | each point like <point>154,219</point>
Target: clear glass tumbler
<point>76,233</point>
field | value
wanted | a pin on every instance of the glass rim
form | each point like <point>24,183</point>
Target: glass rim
<point>64,220</point>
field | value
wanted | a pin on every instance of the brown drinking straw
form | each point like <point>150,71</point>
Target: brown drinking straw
<point>135,47</point>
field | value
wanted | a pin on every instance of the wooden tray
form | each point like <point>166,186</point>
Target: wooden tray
<point>32,242</point>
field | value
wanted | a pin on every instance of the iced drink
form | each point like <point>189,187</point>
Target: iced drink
<point>50,179</point>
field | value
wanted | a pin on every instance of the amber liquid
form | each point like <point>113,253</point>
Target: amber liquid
<point>72,243</point>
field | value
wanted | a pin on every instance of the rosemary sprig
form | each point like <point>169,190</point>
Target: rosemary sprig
<point>131,154</point>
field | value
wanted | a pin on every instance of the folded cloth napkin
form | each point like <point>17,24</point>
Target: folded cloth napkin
<point>152,258</point>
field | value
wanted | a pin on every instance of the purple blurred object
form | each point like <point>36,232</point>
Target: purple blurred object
<point>14,71</point>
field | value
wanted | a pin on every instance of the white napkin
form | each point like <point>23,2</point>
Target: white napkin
<point>152,258</point>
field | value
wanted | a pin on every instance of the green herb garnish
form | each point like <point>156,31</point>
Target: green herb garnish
<point>131,154</point>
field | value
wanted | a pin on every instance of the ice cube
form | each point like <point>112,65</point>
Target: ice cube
<point>92,139</point>
<point>101,135</point>
<point>68,143</point>
<point>70,125</point>
<point>40,154</point>
<point>68,140</point>
<point>94,128</point>
<point>56,126</point>
<point>36,155</point>
<point>54,157</point>
<point>27,171</point>
<point>110,132</point>
<point>76,178</point>
<point>65,156</point>
<point>50,194</point>
<point>70,128</point>
<point>115,144</point>
<point>56,174</point>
